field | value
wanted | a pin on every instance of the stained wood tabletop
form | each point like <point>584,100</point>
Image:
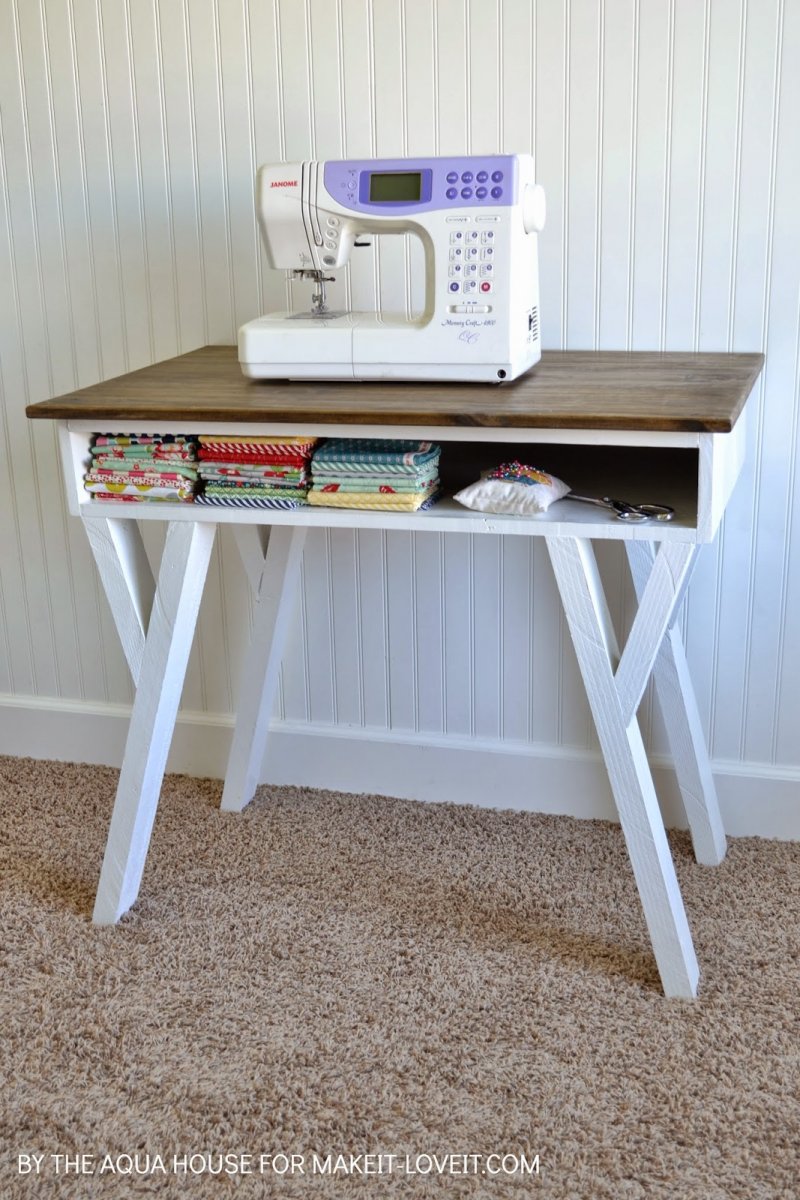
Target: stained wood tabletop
<point>568,389</point>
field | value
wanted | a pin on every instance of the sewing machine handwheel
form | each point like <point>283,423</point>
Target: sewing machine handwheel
<point>534,208</point>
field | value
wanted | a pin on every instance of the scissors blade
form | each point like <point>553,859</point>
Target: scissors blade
<point>588,500</point>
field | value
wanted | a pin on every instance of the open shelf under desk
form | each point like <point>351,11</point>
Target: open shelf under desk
<point>667,485</point>
<point>660,474</point>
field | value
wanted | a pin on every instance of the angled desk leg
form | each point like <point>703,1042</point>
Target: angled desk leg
<point>158,663</point>
<point>684,728</point>
<point>613,699</point>
<point>127,580</point>
<point>273,577</point>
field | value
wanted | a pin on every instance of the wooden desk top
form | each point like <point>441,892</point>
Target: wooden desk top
<point>569,389</point>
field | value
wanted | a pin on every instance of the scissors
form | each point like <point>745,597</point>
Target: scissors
<point>626,511</point>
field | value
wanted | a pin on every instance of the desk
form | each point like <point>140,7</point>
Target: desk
<point>663,427</point>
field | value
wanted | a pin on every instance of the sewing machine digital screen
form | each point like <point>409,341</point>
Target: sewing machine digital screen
<point>395,187</point>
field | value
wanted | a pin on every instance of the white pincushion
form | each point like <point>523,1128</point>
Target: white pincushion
<point>513,488</point>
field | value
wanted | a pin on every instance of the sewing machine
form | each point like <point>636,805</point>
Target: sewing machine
<point>478,220</point>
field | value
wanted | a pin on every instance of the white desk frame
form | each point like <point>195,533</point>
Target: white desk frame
<point>156,621</point>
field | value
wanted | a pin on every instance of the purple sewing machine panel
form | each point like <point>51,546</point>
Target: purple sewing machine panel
<point>402,185</point>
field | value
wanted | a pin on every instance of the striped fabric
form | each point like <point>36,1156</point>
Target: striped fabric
<point>298,442</point>
<point>250,449</point>
<point>349,467</point>
<point>248,502</point>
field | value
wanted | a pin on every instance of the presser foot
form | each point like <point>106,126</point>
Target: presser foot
<point>319,304</point>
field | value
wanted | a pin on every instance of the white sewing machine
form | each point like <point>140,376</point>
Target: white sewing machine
<point>477,218</point>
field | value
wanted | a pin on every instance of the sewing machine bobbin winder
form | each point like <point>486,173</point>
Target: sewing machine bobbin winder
<point>478,220</point>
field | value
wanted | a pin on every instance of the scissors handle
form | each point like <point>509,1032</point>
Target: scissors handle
<point>626,511</point>
<point>640,512</point>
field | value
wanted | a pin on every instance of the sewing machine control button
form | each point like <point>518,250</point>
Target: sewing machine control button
<point>456,253</point>
<point>459,220</point>
<point>472,235</point>
<point>497,176</point>
<point>452,177</point>
<point>470,285</point>
<point>466,177</point>
<point>483,220</point>
<point>466,193</point>
<point>488,236</point>
<point>456,237</point>
<point>454,287</point>
<point>481,193</point>
<point>482,176</point>
<point>487,269</point>
<point>497,193</point>
<point>486,286</point>
<point>451,193</point>
<point>487,252</point>
<point>456,270</point>
<point>329,260</point>
<point>333,221</point>
<point>471,269</point>
<point>330,245</point>
<point>470,308</point>
<point>471,252</point>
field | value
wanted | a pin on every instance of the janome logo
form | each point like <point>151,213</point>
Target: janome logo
<point>284,183</point>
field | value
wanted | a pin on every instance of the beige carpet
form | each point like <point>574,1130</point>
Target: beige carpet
<point>330,974</point>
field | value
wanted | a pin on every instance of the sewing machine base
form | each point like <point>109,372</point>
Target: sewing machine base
<point>370,372</point>
<point>347,346</point>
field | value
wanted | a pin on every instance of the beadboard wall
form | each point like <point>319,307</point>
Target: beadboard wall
<point>665,133</point>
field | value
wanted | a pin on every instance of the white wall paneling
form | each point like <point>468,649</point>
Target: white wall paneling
<point>666,136</point>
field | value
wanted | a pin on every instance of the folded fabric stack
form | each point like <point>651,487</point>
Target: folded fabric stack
<point>142,467</point>
<point>254,472</point>
<point>400,476</point>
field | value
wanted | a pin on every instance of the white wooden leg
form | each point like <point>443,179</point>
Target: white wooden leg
<point>626,761</point>
<point>127,581</point>
<point>276,584</point>
<point>184,566</point>
<point>684,728</point>
<point>252,542</point>
<point>658,603</point>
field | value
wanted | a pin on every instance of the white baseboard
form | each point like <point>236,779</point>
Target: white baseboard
<point>756,799</point>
